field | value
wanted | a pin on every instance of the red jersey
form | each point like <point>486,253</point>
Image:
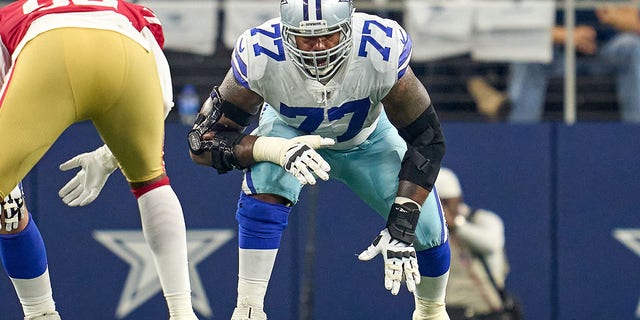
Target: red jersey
<point>16,18</point>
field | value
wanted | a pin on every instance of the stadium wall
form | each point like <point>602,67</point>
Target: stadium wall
<point>568,195</point>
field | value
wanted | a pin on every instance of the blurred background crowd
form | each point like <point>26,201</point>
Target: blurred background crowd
<point>472,55</point>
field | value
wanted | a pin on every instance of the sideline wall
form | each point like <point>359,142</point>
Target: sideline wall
<point>563,191</point>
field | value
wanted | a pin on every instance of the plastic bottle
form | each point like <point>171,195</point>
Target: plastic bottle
<point>188,104</point>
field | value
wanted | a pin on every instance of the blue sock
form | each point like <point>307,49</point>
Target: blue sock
<point>23,254</point>
<point>260,224</point>
<point>435,261</point>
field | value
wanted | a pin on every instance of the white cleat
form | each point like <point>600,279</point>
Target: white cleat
<point>246,312</point>
<point>52,315</point>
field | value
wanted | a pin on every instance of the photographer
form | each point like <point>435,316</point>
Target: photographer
<point>479,265</point>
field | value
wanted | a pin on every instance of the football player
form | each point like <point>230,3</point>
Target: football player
<point>323,69</point>
<point>72,60</point>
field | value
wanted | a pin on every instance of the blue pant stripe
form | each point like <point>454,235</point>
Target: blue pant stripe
<point>443,235</point>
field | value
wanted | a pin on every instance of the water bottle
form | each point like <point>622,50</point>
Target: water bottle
<point>188,104</point>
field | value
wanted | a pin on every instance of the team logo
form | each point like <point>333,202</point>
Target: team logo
<point>631,239</point>
<point>142,281</point>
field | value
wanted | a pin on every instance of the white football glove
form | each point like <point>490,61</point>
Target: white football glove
<point>400,262</point>
<point>297,156</point>
<point>85,186</point>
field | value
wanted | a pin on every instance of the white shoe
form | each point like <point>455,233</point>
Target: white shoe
<point>52,315</point>
<point>247,312</point>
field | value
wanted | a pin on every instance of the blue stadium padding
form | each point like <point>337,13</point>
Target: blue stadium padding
<point>561,191</point>
<point>598,184</point>
<point>508,169</point>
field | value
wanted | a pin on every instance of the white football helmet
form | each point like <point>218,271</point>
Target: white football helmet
<point>313,18</point>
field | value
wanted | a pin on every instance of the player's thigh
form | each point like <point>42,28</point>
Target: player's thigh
<point>371,171</point>
<point>270,178</point>
<point>133,127</point>
<point>267,177</point>
<point>37,106</point>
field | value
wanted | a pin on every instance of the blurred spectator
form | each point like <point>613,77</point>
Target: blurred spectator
<point>489,101</point>
<point>607,41</point>
<point>479,265</point>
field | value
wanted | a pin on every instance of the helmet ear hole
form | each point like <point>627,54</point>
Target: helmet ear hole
<point>314,19</point>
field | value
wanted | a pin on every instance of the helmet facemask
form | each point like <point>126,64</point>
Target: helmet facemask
<point>319,65</point>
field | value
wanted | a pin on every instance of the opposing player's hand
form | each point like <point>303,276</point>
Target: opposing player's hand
<point>85,186</point>
<point>297,156</point>
<point>400,262</point>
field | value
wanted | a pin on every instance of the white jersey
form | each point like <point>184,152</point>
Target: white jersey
<point>348,106</point>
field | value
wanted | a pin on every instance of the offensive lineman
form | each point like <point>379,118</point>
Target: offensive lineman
<point>69,61</point>
<point>322,69</point>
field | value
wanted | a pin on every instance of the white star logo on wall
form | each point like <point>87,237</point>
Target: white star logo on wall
<point>631,239</point>
<point>142,282</point>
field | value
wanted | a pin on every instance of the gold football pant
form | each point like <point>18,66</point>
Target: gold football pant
<point>68,75</point>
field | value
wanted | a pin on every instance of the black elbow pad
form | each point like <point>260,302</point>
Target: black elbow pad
<point>425,149</point>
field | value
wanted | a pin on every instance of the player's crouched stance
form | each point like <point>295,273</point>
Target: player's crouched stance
<point>322,73</point>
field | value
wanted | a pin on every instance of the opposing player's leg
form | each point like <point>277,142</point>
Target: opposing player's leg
<point>372,173</point>
<point>132,126</point>
<point>45,316</point>
<point>28,98</point>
